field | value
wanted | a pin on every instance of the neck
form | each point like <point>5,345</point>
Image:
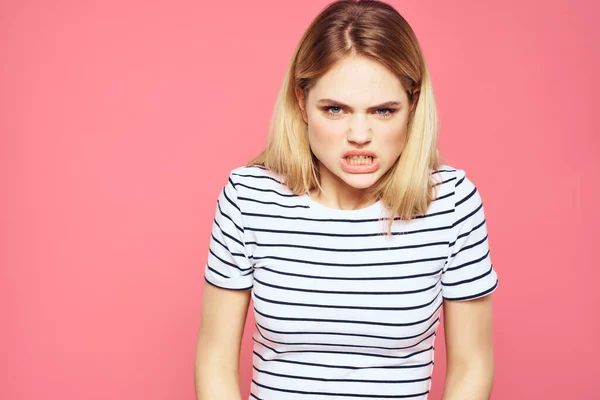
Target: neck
<point>339,201</point>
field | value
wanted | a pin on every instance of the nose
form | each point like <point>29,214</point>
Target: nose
<point>359,130</point>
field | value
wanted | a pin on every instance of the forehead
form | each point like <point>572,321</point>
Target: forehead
<point>359,81</point>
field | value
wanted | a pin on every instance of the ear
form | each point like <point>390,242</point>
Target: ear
<point>415,99</point>
<point>301,103</point>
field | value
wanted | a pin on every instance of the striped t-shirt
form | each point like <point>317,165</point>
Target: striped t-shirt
<point>342,310</point>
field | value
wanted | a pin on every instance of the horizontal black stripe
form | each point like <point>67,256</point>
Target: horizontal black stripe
<point>352,250</point>
<point>262,190</point>
<point>476,278</point>
<point>398,357</point>
<point>354,335</point>
<point>344,292</point>
<point>287,303</point>
<point>412,366</point>
<point>460,236</point>
<point>380,264</point>
<point>345,220</point>
<point>444,196</point>
<point>472,245</point>
<point>346,395</point>
<point>347,353</point>
<point>257,177</point>
<point>346,345</point>
<point>474,296</point>
<point>341,380</point>
<point>225,276</point>
<point>249,269</point>
<point>347,235</point>
<point>345,321</point>
<point>469,262</point>
<point>346,278</point>
<point>446,181</point>
<point>273,203</point>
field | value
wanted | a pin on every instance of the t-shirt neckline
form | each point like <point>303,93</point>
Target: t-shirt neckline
<point>373,210</point>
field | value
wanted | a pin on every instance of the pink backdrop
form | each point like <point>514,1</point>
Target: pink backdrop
<point>120,121</point>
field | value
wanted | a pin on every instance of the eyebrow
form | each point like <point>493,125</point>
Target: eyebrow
<point>382,105</point>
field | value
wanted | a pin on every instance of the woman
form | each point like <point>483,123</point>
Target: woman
<point>347,299</point>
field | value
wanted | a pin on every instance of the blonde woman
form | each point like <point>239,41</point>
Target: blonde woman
<point>349,234</point>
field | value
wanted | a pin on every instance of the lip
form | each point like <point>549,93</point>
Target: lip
<point>359,168</point>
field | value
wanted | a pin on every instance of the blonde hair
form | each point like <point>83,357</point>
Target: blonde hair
<point>374,30</point>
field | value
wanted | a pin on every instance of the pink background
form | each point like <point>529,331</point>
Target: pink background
<point>120,121</point>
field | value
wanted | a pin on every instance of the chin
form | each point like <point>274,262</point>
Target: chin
<point>360,181</point>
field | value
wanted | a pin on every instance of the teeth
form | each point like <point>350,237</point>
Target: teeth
<point>359,160</point>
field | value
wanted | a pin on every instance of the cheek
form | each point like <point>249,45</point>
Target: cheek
<point>325,134</point>
<point>393,138</point>
<point>391,143</point>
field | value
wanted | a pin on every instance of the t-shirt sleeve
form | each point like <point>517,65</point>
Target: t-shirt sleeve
<point>228,265</point>
<point>468,272</point>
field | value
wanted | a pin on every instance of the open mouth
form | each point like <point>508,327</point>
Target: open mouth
<point>359,160</point>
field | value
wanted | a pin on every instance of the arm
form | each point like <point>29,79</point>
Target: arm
<point>222,323</point>
<point>469,349</point>
<point>227,290</point>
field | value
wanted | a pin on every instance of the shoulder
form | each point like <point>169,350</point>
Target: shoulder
<point>458,192</point>
<point>468,203</point>
<point>253,176</point>
<point>259,184</point>
<point>455,177</point>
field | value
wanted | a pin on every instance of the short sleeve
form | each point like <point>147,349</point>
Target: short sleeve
<point>228,265</point>
<point>468,272</point>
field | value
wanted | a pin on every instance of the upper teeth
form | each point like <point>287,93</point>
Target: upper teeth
<point>359,159</point>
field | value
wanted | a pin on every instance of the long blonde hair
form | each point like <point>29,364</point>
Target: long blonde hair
<point>375,30</point>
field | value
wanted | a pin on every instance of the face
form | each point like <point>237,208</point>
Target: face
<point>357,116</point>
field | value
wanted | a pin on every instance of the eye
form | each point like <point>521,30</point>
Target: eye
<point>333,111</point>
<point>385,112</point>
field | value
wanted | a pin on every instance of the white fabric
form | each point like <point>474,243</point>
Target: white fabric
<point>343,311</point>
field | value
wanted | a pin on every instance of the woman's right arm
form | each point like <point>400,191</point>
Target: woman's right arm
<point>229,276</point>
<point>222,322</point>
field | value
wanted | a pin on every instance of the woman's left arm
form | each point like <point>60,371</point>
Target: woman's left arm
<point>469,349</point>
